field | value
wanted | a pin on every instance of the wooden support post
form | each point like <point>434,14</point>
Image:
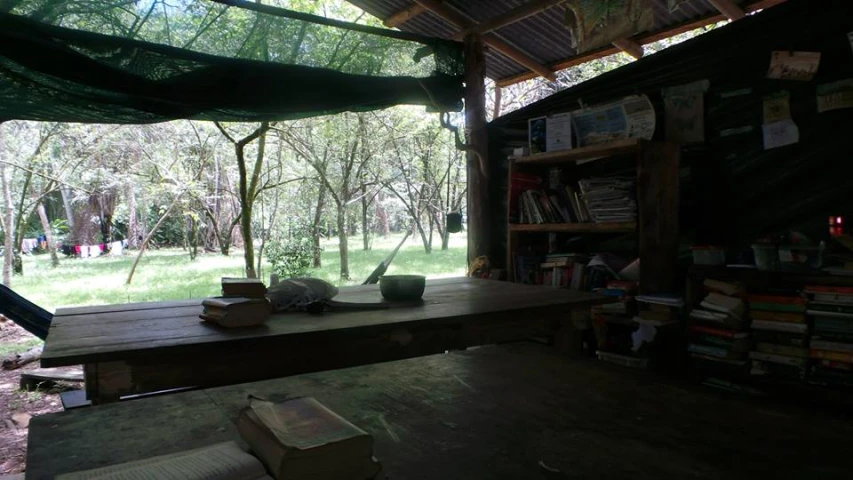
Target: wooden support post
<point>657,199</point>
<point>728,8</point>
<point>630,47</point>
<point>475,127</point>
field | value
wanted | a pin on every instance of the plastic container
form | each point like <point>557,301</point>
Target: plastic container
<point>708,255</point>
<point>766,256</point>
<point>799,258</point>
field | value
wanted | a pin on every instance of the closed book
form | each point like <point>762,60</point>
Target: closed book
<point>731,344</point>
<point>713,351</point>
<point>665,316</point>
<point>718,360</point>
<point>724,303</point>
<point>830,308</point>
<point>302,439</point>
<point>836,365</point>
<point>719,318</point>
<point>779,326</point>
<point>777,316</point>
<point>830,294</point>
<point>820,344</point>
<point>844,337</point>
<point>725,288</point>
<point>833,324</point>
<point>243,287</point>
<point>791,351</point>
<point>777,370</point>
<point>233,312</point>
<point>777,303</point>
<point>781,338</point>
<point>831,355</point>
<point>719,332</point>
<point>833,298</point>
<point>776,358</point>
<point>826,313</point>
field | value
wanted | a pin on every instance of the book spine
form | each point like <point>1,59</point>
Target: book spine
<point>718,332</point>
<point>829,345</point>
<point>830,355</point>
<point>708,350</point>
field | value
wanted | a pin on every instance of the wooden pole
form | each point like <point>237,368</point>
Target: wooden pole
<point>478,154</point>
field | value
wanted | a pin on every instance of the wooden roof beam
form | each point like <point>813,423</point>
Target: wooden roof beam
<point>462,22</point>
<point>641,40</point>
<point>398,18</point>
<point>630,47</point>
<point>517,14</point>
<point>728,8</point>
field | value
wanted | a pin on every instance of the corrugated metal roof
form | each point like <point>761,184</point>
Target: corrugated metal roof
<point>543,36</point>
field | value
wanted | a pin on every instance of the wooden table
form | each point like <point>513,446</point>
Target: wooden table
<point>147,347</point>
<point>489,412</point>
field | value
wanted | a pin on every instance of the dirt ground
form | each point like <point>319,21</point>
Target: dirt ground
<point>17,406</point>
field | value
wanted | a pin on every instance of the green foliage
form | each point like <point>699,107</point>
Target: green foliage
<point>171,231</point>
<point>291,257</point>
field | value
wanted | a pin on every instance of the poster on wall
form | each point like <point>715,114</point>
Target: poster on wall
<point>835,95</point>
<point>780,134</point>
<point>550,134</point>
<point>595,23</point>
<point>631,117</point>
<point>800,66</point>
<point>684,112</point>
<point>777,107</point>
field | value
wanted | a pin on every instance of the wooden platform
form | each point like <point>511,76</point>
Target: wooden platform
<point>148,347</point>
<point>490,412</point>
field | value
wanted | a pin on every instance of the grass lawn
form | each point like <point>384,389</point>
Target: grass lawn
<point>169,274</point>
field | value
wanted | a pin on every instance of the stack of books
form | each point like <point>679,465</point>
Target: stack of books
<point>560,204</point>
<point>302,439</point>
<point>718,337</point>
<point>563,270</point>
<point>781,336</point>
<point>831,309</point>
<point>234,312</point>
<point>612,321</point>
<point>609,199</point>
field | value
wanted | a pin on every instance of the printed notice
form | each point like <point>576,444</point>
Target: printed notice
<point>780,134</point>
<point>800,66</point>
<point>835,95</point>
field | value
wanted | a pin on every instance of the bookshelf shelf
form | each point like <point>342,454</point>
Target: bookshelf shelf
<point>621,227</point>
<point>621,147</point>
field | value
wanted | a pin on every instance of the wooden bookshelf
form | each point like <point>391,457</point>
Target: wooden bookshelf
<point>621,147</point>
<point>657,193</point>
<point>620,227</point>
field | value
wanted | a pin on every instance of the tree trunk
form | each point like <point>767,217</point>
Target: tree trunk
<point>69,209</point>
<point>8,221</point>
<point>148,238</point>
<point>48,233</point>
<point>315,225</point>
<point>134,233</point>
<point>420,228</point>
<point>365,228</point>
<point>382,216</point>
<point>342,238</point>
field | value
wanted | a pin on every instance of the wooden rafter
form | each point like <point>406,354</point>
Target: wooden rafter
<point>462,22</point>
<point>640,40</point>
<point>396,19</point>
<point>508,18</point>
<point>630,47</point>
<point>728,8</point>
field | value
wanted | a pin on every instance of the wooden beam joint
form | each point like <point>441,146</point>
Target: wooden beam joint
<point>396,19</point>
<point>630,47</point>
<point>728,8</point>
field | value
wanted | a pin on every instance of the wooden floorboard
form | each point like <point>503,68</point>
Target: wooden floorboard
<point>490,412</point>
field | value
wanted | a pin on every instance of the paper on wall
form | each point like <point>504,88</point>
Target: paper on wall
<point>684,112</point>
<point>631,117</point>
<point>780,134</point>
<point>801,66</point>
<point>558,132</point>
<point>777,107</point>
<point>835,95</point>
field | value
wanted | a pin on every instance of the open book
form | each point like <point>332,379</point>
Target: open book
<point>302,439</point>
<point>222,461</point>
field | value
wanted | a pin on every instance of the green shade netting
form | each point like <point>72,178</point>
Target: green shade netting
<point>144,61</point>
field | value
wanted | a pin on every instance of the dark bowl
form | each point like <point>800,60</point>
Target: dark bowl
<point>402,288</point>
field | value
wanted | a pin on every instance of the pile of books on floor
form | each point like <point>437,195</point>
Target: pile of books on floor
<point>718,335</point>
<point>831,309</point>
<point>613,324</point>
<point>781,336</point>
<point>609,199</point>
<point>560,204</point>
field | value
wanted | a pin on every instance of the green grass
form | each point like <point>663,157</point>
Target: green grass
<point>7,349</point>
<point>169,274</point>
